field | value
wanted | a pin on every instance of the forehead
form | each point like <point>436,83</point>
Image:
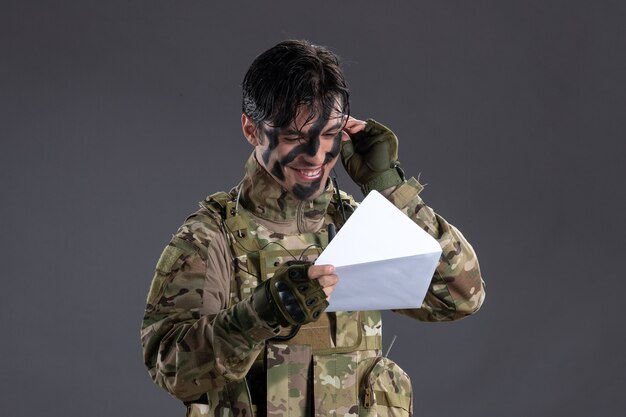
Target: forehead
<point>308,117</point>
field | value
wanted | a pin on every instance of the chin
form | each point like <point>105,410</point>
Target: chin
<point>314,195</point>
<point>303,191</point>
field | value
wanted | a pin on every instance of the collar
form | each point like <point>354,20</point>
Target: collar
<point>261,195</point>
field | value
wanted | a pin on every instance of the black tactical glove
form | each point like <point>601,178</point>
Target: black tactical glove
<point>371,158</point>
<point>290,297</point>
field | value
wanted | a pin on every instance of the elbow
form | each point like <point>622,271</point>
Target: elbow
<point>472,298</point>
<point>466,289</point>
<point>198,373</point>
<point>471,305</point>
<point>189,385</point>
<point>181,389</point>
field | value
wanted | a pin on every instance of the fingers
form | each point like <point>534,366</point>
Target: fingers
<point>354,125</point>
<point>328,283</point>
<point>317,271</point>
<point>325,275</point>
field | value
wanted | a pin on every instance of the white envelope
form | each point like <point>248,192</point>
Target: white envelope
<point>383,259</point>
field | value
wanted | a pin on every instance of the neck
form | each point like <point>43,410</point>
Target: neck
<point>263,197</point>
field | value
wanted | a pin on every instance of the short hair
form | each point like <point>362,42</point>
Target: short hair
<point>291,74</point>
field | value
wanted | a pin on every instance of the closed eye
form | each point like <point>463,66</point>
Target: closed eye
<point>291,139</point>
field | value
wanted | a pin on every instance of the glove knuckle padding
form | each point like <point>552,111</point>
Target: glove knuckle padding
<point>294,297</point>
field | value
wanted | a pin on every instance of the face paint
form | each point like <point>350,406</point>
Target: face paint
<point>272,136</point>
<point>304,192</point>
<point>301,164</point>
<point>336,148</point>
<point>309,147</point>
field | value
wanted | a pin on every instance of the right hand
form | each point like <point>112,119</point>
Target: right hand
<point>370,156</point>
<point>325,275</point>
<point>296,294</point>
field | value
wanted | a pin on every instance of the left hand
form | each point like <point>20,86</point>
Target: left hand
<point>370,155</point>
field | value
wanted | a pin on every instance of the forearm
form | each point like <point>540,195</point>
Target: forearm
<point>192,339</point>
<point>189,354</point>
<point>456,289</point>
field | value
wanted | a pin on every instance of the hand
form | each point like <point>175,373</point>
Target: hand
<point>325,275</point>
<point>370,155</point>
<point>296,294</point>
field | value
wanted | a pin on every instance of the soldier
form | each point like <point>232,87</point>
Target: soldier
<point>235,322</point>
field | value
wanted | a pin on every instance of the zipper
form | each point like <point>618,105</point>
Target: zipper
<point>300,216</point>
<point>368,397</point>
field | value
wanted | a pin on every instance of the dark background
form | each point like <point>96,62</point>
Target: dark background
<point>116,117</point>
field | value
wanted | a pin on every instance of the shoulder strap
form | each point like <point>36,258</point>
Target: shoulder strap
<point>216,203</point>
<point>235,222</point>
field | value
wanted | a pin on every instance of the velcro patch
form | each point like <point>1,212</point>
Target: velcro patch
<point>169,256</point>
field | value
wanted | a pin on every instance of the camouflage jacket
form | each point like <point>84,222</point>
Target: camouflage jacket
<point>204,343</point>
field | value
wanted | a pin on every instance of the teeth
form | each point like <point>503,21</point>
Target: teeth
<point>311,174</point>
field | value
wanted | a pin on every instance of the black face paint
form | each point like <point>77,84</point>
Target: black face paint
<point>303,192</point>
<point>272,137</point>
<point>334,151</point>
<point>309,147</point>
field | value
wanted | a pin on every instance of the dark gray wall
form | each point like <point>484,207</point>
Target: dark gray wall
<point>116,117</point>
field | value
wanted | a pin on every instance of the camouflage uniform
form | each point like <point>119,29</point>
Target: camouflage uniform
<point>204,343</point>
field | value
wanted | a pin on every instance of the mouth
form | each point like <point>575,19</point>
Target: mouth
<point>308,174</point>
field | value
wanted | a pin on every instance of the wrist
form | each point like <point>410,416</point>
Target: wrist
<point>386,180</point>
<point>263,304</point>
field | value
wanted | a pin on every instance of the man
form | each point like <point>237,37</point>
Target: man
<point>235,321</point>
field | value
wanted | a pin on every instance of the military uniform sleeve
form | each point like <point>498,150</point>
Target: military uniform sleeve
<point>193,341</point>
<point>457,288</point>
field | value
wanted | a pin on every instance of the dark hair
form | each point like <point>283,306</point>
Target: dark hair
<point>291,74</point>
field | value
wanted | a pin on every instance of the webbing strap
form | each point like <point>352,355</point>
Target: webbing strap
<point>187,246</point>
<point>316,334</point>
<point>216,202</point>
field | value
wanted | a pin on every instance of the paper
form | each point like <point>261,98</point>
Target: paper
<point>383,259</point>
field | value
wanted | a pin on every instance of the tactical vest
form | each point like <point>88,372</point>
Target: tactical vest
<point>331,367</point>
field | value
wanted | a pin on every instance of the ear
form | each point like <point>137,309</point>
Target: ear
<point>249,130</point>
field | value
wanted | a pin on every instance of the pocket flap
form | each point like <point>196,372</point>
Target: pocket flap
<point>386,384</point>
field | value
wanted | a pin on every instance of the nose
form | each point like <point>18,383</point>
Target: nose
<point>314,152</point>
<point>312,145</point>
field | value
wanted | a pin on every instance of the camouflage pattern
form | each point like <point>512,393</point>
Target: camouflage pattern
<point>457,289</point>
<point>201,335</point>
<point>231,400</point>
<point>288,369</point>
<point>385,390</point>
